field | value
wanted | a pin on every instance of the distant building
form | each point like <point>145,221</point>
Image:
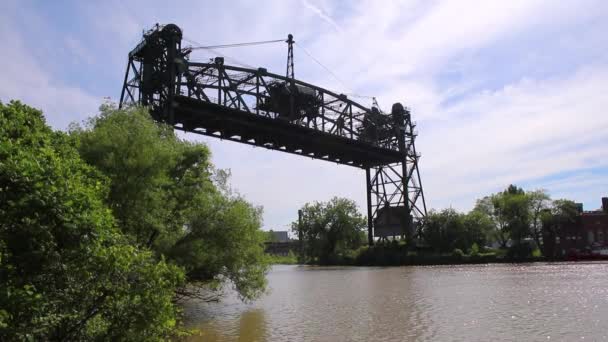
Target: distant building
<point>280,236</point>
<point>588,232</point>
<point>280,244</point>
<point>595,225</point>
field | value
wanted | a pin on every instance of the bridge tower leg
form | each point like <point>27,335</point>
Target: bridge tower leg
<point>370,222</point>
<point>395,199</point>
<point>153,72</point>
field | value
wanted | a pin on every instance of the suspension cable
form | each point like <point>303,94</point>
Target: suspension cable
<point>323,66</point>
<point>234,60</point>
<point>222,46</point>
<point>211,48</point>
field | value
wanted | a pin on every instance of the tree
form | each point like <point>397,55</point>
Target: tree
<point>223,241</point>
<point>561,213</point>
<point>330,228</point>
<point>66,271</point>
<point>510,212</point>
<point>491,206</point>
<point>167,196</point>
<point>479,227</point>
<point>539,200</point>
<point>515,208</point>
<point>448,230</point>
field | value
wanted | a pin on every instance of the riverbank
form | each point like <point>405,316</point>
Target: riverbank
<point>400,255</point>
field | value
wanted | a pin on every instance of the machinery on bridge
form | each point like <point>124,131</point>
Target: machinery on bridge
<point>256,107</point>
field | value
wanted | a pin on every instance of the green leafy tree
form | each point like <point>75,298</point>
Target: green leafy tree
<point>167,196</point>
<point>510,212</point>
<point>539,200</point>
<point>491,206</point>
<point>478,227</point>
<point>66,272</point>
<point>223,241</point>
<point>515,206</point>
<point>560,214</point>
<point>330,228</point>
<point>446,231</point>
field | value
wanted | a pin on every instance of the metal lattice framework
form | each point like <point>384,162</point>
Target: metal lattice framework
<point>256,107</point>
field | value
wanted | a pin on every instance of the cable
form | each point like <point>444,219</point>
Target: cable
<point>323,66</point>
<point>212,48</point>
<point>234,60</point>
<point>237,44</point>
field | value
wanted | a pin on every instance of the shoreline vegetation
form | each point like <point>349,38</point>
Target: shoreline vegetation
<point>513,225</point>
<point>400,256</point>
<point>108,225</point>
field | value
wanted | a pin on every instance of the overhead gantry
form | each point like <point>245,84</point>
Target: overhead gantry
<point>257,107</point>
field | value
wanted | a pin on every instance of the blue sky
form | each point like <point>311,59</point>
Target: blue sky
<point>503,91</point>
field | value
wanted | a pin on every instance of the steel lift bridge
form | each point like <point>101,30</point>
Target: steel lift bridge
<point>257,107</point>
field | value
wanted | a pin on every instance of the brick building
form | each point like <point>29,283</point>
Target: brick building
<point>595,225</point>
<point>588,234</point>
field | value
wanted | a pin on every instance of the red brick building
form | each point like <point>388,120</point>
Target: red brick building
<point>588,234</point>
<point>594,225</point>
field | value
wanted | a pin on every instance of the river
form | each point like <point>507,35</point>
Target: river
<point>506,302</point>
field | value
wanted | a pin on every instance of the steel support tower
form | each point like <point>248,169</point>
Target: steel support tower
<point>256,107</point>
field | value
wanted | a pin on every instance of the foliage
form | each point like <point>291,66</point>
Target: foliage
<point>154,177</point>
<point>289,259</point>
<point>446,230</point>
<point>561,214</point>
<point>270,236</point>
<point>224,241</point>
<point>539,200</point>
<point>166,195</point>
<point>330,229</point>
<point>514,215</point>
<point>491,208</point>
<point>478,227</point>
<point>474,251</point>
<point>457,253</point>
<point>66,272</point>
<point>514,206</point>
<point>522,250</point>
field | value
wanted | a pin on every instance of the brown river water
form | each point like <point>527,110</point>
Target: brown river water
<point>498,302</point>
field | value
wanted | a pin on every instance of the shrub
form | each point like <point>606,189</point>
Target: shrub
<point>520,251</point>
<point>474,251</point>
<point>458,253</point>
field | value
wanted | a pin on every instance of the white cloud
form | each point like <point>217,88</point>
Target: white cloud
<point>525,131</point>
<point>322,14</point>
<point>23,79</point>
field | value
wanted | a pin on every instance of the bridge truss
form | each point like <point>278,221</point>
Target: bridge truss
<point>256,107</point>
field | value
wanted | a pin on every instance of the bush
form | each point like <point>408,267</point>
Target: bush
<point>520,251</point>
<point>458,253</point>
<point>289,259</point>
<point>474,251</point>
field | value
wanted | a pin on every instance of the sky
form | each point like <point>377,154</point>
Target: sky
<point>503,92</point>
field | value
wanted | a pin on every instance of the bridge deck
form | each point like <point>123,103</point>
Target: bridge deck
<point>278,134</point>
